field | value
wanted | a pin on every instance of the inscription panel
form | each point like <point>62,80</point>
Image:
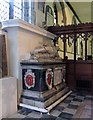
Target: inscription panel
<point>57,75</point>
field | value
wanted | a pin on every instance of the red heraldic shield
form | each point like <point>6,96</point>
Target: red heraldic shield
<point>49,78</point>
<point>29,79</point>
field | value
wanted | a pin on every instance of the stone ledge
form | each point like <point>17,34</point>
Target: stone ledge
<point>29,27</point>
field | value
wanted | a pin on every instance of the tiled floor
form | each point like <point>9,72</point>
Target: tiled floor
<point>74,106</point>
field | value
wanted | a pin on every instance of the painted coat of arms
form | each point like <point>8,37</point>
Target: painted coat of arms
<point>49,78</point>
<point>29,79</point>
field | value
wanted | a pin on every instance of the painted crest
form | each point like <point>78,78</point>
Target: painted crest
<point>49,78</point>
<point>29,79</point>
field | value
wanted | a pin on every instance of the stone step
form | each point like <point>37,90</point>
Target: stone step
<point>48,109</point>
<point>44,99</point>
<point>45,94</point>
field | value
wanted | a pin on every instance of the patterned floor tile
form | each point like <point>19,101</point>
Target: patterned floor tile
<point>89,97</point>
<point>34,114</point>
<point>63,104</point>
<point>24,111</point>
<point>60,108</point>
<point>73,95</point>
<point>88,102</point>
<point>69,98</point>
<point>30,119</point>
<point>79,93</point>
<point>63,111</point>
<point>77,99</point>
<point>67,101</point>
<point>75,103</point>
<point>71,106</point>
<point>86,112</point>
<point>65,115</point>
<point>17,115</point>
<point>68,110</point>
<point>88,107</point>
<point>48,117</point>
<point>80,97</point>
<point>55,113</point>
<point>85,116</point>
<point>58,118</point>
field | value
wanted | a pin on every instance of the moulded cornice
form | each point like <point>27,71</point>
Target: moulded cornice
<point>26,26</point>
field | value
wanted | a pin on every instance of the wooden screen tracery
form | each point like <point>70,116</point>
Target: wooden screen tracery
<point>82,32</point>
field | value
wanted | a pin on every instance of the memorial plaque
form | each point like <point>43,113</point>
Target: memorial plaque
<point>57,75</point>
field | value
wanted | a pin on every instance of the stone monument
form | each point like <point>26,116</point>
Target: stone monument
<point>43,79</point>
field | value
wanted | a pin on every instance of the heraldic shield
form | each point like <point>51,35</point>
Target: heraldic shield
<point>49,78</point>
<point>29,79</point>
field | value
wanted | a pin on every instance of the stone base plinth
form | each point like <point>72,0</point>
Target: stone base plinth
<point>45,100</point>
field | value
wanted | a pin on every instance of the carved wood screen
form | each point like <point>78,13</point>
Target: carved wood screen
<point>3,57</point>
<point>73,32</point>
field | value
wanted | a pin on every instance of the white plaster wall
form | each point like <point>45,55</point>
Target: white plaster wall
<point>40,16</point>
<point>89,46</point>
<point>70,55</point>
<point>27,42</point>
<point>60,18</point>
<point>8,97</point>
<point>69,14</point>
<point>61,54</point>
<point>0,99</point>
<point>12,50</point>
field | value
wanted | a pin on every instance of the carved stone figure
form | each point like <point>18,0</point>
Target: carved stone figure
<point>44,53</point>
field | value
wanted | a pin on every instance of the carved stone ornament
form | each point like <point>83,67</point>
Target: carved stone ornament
<point>29,79</point>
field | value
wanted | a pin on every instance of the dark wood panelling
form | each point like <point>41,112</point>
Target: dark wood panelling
<point>3,57</point>
<point>80,75</point>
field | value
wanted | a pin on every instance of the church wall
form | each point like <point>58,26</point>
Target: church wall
<point>40,14</point>
<point>40,19</point>
<point>69,21</point>
<point>12,51</point>
<point>69,15</point>
<point>1,99</point>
